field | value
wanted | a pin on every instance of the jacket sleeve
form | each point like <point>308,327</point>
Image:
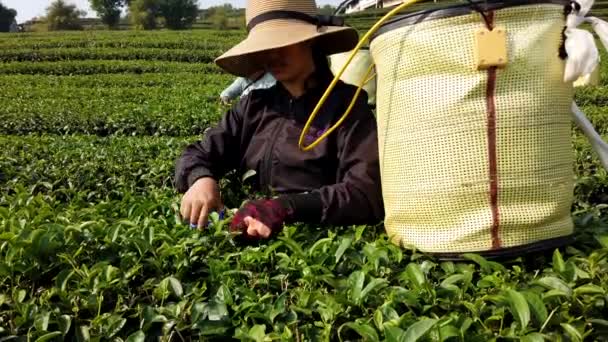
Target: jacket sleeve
<point>217,153</point>
<point>235,89</point>
<point>357,196</point>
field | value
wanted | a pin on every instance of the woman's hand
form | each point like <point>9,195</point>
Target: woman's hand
<point>261,218</point>
<point>202,198</point>
<point>256,229</point>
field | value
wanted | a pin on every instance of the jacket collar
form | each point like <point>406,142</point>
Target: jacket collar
<point>300,108</point>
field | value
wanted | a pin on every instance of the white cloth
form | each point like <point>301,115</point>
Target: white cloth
<point>601,29</point>
<point>576,18</point>
<point>242,86</point>
<point>583,58</point>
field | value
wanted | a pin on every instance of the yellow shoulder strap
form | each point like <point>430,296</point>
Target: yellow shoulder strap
<point>333,83</point>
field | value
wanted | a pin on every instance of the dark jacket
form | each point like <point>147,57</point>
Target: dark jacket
<point>338,182</point>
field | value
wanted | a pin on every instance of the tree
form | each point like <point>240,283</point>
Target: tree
<point>226,8</point>
<point>219,17</point>
<point>327,10</point>
<point>178,14</point>
<point>7,18</point>
<point>143,13</point>
<point>108,10</point>
<point>62,16</point>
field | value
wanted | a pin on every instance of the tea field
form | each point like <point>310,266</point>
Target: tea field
<point>92,248</point>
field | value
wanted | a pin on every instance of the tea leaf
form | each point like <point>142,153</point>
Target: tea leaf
<point>486,266</point>
<point>415,275</point>
<point>216,311</point>
<point>64,322</point>
<point>374,284</point>
<point>42,321</point>
<point>558,262</point>
<point>394,334</point>
<point>48,336</point>
<point>574,334</point>
<point>258,332</point>
<point>117,323</point>
<point>519,308</point>
<point>537,306</point>
<point>448,331</point>
<point>20,296</point>
<point>345,243</point>
<point>453,279</point>
<point>248,174</point>
<point>601,322</point>
<point>176,287</point>
<point>589,289</point>
<point>82,333</point>
<point>419,329</point>
<point>137,336</point>
<point>278,307</point>
<point>379,320</point>
<point>356,281</point>
<point>533,337</point>
<point>603,240</point>
<point>555,284</point>
<point>364,330</point>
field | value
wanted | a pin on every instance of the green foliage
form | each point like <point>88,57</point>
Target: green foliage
<point>169,40</point>
<point>125,266</point>
<point>224,17</point>
<point>327,10</point>
<point>89,67</point>
<point>92,246</point>
<point>143,14</point>
<point>7,18</point>
<point>63,16</point>
<point>150,54</point>
<point>178,14</point>
<point>108,11</point>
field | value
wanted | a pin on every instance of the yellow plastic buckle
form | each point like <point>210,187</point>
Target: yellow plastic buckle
<point>491,48</point>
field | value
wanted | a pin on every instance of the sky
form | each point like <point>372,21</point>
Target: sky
<point>27,9</point>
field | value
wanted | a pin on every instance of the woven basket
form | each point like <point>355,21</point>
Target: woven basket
<point>475,160</point>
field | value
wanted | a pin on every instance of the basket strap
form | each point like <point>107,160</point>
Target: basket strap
<point>333,83</point>
<point>598,145</point>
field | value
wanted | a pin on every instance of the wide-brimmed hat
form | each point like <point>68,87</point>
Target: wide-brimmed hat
<point>273,24</point>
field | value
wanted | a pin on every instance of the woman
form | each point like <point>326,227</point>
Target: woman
<point>335,183</point>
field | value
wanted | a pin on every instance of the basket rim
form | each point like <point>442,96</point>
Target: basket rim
<point>543,246</point>
<point>457,10</point>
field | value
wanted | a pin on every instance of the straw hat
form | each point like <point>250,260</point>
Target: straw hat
<point>278,23</point>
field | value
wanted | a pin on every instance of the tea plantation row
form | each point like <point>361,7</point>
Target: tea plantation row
<point>92,248</point>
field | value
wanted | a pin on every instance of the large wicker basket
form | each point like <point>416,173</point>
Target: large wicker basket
<point>475,160</point>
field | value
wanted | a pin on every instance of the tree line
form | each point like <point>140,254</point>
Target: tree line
<point>7,18</point>
<point>142,14</point>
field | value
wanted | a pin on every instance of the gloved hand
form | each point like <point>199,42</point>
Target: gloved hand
<point>261,218</point>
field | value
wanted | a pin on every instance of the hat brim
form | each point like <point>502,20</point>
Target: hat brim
<point>280,33</point>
